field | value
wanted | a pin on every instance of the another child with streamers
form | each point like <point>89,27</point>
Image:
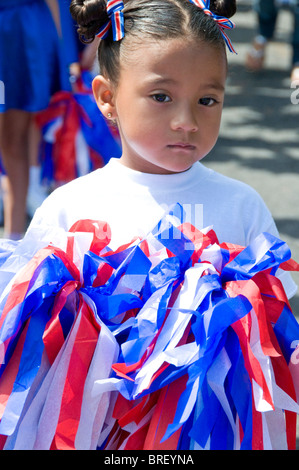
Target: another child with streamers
<point>33,65</point>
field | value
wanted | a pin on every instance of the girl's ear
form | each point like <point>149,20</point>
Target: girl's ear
<point>103,92</point>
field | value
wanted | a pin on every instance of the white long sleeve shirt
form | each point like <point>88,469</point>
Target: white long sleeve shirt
<point>132,203</point>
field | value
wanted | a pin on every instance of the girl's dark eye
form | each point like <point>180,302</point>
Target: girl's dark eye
<point>161,98</point>
<point>207,101</point>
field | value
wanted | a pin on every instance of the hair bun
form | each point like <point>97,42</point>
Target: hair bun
<point>90,15</point>
<point>225,8</point>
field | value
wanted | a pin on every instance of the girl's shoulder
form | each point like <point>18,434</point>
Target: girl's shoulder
<point>226,185</point>
<point>82,184</point>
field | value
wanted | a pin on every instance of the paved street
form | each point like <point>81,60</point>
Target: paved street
<point>259,140</point>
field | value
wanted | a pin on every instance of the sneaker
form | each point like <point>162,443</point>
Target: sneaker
<point>256,55</point>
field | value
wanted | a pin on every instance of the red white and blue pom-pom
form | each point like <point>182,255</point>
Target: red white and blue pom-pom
<point>172,342</point>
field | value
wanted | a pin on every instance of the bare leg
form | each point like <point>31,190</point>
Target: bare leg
<point>15,127</point>
<point>36,191</point>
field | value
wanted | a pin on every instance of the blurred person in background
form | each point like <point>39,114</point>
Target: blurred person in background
<point>267,13</point>
<point>34,64</point>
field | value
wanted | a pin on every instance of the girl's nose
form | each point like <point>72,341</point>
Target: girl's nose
<point>185,120</point>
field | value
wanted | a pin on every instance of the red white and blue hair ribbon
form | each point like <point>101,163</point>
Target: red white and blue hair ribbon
<point>116,19</point>
<point>222,21</point>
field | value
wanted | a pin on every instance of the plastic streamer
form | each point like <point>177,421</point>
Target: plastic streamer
<point>174,341</point>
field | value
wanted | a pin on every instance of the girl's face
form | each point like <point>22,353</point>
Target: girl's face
<point>168,104</point>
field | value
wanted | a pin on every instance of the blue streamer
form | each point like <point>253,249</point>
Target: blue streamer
<point>29,366</point>
<point>265,252</point>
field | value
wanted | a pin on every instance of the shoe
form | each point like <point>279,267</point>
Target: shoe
<point>256,55</point>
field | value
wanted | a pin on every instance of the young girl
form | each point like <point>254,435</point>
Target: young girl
<point>167,342</point>
<point>163,84</point>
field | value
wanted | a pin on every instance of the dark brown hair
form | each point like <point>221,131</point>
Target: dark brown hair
<point>157,19</point>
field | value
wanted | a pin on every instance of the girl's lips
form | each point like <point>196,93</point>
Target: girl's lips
<point>182,146</point>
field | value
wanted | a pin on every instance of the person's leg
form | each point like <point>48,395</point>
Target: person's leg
<point>267,15</point>
<point>36,192</point>
<point>295,44</point>
<point>15,127</point>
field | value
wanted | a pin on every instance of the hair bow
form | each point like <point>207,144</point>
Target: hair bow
<point>222,21</point>
<point>116,18</point>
